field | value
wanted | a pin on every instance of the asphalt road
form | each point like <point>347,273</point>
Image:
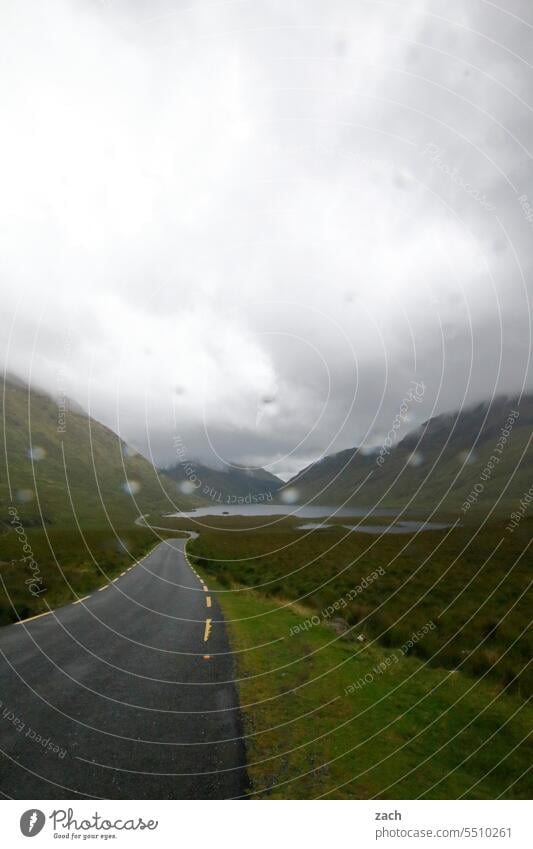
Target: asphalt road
<point>127,694</point>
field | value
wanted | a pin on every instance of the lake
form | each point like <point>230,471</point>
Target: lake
<point>301,511</point>
<point>395,528</point>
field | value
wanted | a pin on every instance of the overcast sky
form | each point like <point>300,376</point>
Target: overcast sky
<point>251,225</point>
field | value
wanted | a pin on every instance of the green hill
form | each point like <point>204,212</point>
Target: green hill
<point>466,462</point>
<point>59,465</point>
<point>70,491</point>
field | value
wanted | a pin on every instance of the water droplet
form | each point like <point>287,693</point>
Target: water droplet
<point>186,487</point>
<point>467,458</point>
<point>25,495</point>
<point>131,487</point>
<point>290,495</point>
<point>367,450</point>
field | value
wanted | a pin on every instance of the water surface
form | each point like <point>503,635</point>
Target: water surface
<point>300,511</point>
<point>407,527</point>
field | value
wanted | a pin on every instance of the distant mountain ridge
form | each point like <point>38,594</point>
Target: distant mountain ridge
<point>63,465</point>
<point>233,484</point>
<point>461,462</point>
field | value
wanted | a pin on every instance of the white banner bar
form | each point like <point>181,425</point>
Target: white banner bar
<point>264,825</point>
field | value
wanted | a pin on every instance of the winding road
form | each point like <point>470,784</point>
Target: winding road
<point>127,693</point>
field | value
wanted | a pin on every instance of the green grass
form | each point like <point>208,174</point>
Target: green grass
<point>70,565</point>
<point>413,731</point>
<point>328,715</point>
<point>471,581</point>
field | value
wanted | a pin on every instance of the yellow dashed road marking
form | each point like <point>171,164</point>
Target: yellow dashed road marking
<point>103,588</point>
<point>81,599</point>
<point>205,589</point>
<point>31,618</point>
<point>207,631</point>
<point>208,600</point>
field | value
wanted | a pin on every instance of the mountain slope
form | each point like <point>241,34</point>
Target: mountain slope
<point>58,465</point>
<point>234,484</point>
<point>463,462</point>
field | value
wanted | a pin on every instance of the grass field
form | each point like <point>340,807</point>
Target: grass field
<point>392,666</point>
<point>470,581</point>
<point>407,731</point>
<point>69,565</point>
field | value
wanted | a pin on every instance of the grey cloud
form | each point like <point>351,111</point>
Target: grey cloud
<point>239,201</point>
